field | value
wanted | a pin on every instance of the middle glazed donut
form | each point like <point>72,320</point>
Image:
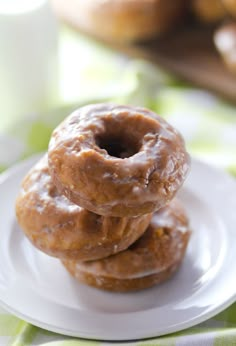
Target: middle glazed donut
<point>117,160</point>
<point>62,229</point>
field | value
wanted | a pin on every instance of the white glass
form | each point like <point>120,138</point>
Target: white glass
<point>28,58</point>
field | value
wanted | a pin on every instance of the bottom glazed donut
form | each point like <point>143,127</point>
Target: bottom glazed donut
<point>152,259</point>
<point>122,285</point>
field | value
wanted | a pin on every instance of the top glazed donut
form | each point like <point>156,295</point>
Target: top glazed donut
<point>117,160</point>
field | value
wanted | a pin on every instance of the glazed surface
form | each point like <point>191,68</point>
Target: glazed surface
<point>117,160</point>
<point>151,259</point>
<point>123,285</point>
<point>62,229</point>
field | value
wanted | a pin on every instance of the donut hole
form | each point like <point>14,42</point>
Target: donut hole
<point>122,134</point>
<point>120,147</point>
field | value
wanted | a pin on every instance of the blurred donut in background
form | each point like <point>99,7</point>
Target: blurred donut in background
<point>230,5</point>
<point>208,11</point>
<point>130,21</point>
<point>121,20</point>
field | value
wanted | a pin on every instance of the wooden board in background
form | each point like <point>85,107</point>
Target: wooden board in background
<point>189,54</point>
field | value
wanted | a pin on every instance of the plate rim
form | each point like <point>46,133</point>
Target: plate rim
<point>168,331</point>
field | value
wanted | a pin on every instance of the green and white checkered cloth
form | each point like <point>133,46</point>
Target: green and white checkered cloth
<point>208,125</point>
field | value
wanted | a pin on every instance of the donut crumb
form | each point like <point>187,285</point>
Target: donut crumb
<point>159,232</point>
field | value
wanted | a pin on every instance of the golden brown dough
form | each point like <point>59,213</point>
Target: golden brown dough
<point>62,229</point>
<point>121,20</point>
<point>117,160</point>
<point>121,285</point>
<point>225,42</point>
<point>153,258</point>
<point>230,6</point>
<point>208,11</point>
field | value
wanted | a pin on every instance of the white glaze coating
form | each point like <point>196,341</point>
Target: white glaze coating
<point>162,245</point>
<point>85,172</point>
<point>62,229</point>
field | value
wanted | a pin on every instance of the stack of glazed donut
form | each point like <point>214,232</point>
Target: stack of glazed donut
<point>102,199</point>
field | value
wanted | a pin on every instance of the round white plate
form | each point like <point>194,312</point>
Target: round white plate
<point>38,289</point>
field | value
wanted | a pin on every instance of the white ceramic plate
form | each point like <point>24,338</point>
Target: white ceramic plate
<point>38,289</point>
